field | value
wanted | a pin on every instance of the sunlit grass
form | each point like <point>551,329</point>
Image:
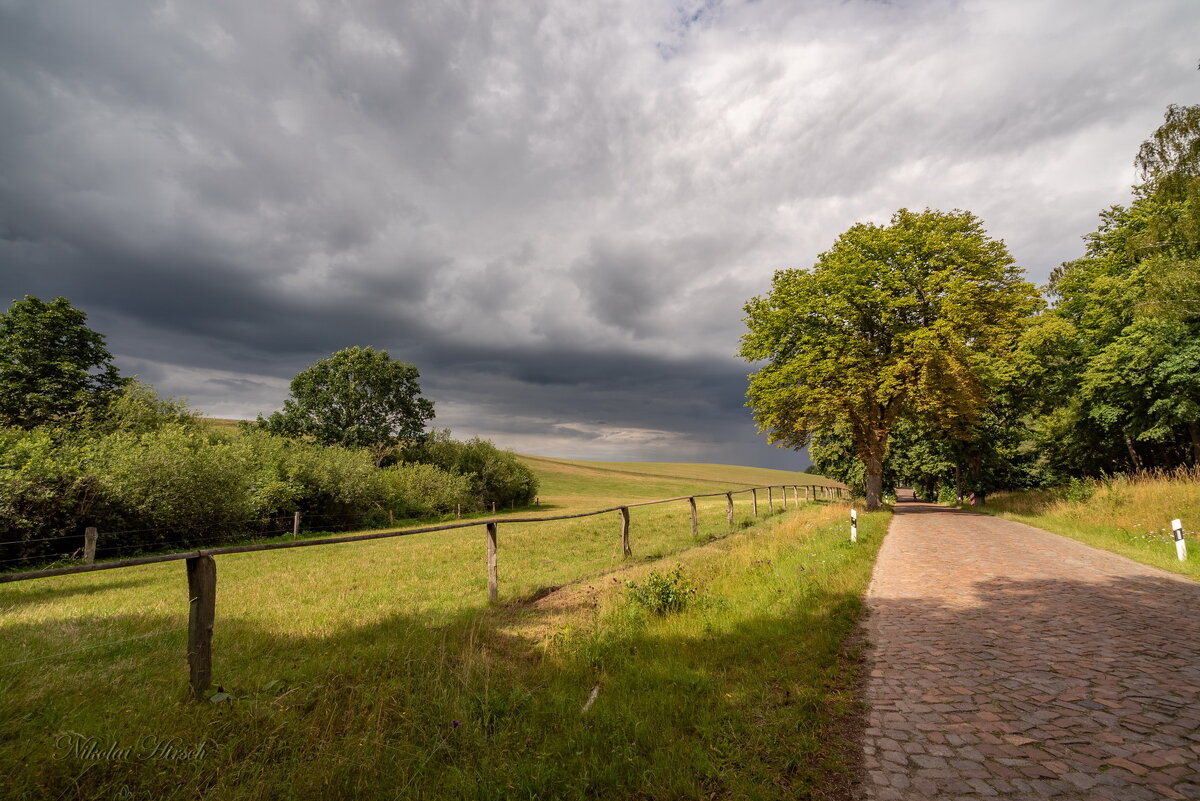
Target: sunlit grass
<point>377,669</point>
<point>1127,515</point>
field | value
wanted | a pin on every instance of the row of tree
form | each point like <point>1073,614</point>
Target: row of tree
<point>80,445</point>
<point>916,352</point>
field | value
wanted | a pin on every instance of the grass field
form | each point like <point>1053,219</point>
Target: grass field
<point>378,670</point>
<point>1129,516</point>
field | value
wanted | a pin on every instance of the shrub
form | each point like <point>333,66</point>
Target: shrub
<point>423,490</point>
<point>1077,490</point>
<point>660,594</point>
<point>496,476</point>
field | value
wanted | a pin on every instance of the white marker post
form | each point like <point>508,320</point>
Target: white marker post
<point>1180,542</point>
<point>854,525</point>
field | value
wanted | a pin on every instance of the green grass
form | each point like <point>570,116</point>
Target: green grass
<point>1128,516</point>
<point>378,670</point>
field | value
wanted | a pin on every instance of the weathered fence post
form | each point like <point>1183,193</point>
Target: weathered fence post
<point>754,500</point>
<point>89,545</point>
<point>796,494</point>
<point>695,517</point>
<point>202,610</point>
<point>729,508</point>
<point>295,525</point>
<point>1180,542</point>
<point>770,500</point>
<point>806,493</point>
<point>625,531</point>
<point>493,584</point>
<point>783,492</point>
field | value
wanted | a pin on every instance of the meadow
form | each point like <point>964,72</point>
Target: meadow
<point>379,670</point>
<point>1129,515</point>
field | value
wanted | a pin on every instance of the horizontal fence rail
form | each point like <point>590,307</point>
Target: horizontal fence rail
<point>202,568</point>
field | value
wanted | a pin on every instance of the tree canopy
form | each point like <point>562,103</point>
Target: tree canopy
<point>910,320</point>
<point>357,398</point>
<point>52,366</point>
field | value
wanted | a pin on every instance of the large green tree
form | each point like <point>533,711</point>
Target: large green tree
<point>1131,308</point>
<point>53,368</point>
<point>357,398</point>
<point>909,320</point>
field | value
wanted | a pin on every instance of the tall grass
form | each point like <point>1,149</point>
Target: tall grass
<point>1129,515</point>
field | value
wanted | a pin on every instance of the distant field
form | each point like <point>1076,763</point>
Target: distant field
<point>378,670</point>
<point>574,484</point>
<point>220,422</point>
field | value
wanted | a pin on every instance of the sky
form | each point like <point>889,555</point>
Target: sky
<point>555,210</point>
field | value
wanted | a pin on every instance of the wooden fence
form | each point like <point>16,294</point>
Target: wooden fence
<point>202,567</point>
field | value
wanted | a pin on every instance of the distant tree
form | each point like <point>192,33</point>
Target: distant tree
<point>899,321</point>
<point>357,398</point>
<point>53,368</point>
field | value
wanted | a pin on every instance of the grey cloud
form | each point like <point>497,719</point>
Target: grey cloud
<point>556,210</point>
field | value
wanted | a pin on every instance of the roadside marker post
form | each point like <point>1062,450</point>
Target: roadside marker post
<point>1180,542</point>
<point>854,525</point>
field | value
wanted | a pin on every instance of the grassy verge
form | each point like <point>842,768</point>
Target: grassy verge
<point>1129,516</point>
<point>374,670</point>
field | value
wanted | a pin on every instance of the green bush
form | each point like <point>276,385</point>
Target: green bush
<point>947,495</point>
<point>424,490</point>
<point>660,594</point>
<point>496,476</point>
<point>1077,490</point>
<point>44,492</point>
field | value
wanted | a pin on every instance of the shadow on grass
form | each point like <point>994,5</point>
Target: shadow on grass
<point>24,594</point>
<point>457,706</point>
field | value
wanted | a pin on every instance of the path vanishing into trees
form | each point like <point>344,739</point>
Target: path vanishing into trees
<point>1010,662</point>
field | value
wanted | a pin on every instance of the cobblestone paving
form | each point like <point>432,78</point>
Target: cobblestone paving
<point>1012,663</point>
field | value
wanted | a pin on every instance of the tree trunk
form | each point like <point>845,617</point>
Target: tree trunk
<point>1133,454</point>
<point>874,466</point>
<point>958,496</point>
<point>1194,430</point>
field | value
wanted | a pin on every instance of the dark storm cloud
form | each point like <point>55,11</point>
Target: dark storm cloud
<point>555,210</point>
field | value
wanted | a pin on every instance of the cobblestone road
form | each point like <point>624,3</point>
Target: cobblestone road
<point>1009,662</point>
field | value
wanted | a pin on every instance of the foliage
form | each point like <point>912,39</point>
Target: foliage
<point>906,320</point>
<point>1129,310</point>
<point>356,398</point>
<point>425,490</point>
<point>661,593</point>
<point>52,366</point>
<point>496,476</point>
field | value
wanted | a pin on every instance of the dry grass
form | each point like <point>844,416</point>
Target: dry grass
<point>1129,515</point>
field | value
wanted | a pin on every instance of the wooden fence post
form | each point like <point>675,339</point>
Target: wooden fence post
<point>295,525</point>
<point>806,493</point>
<point>695,518</point>
<point>770,500</point>
<point>493,588</point>
<point>754,500</point>
<point>89,545</point>
<point>783,492</point>
<point>202,610</point>
<point>625,531</point>
<point>729,508</point>
<point>796,494</point>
